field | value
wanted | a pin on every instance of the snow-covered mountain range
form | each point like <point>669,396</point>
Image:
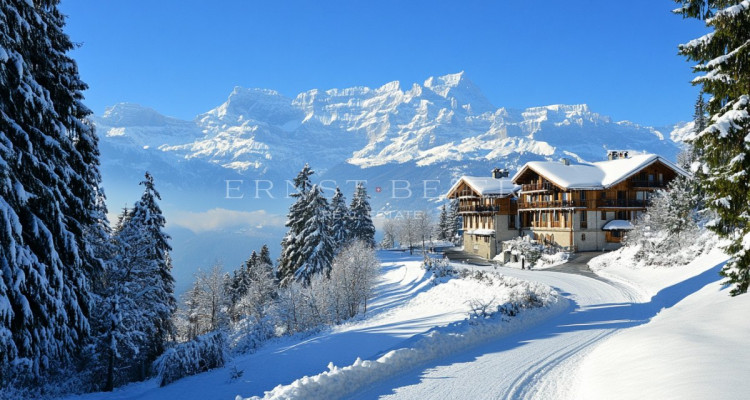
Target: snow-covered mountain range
<point>446,121</point>
<point>258,139</point>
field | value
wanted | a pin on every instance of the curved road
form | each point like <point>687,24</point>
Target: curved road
<point>539,363</point>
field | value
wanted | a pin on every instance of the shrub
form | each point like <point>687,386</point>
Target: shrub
<point>203,353</point>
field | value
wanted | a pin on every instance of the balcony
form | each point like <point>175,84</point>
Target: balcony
<point>555,204</point>
<point>622,203</point>
<point>548,224</point>
<point>480,208</point>
<point>531,187</point>
<point>648,184</point>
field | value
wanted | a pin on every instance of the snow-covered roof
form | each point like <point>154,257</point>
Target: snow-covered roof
<point>618,225</point>
<point>598,175</point>
<point>487,186</point>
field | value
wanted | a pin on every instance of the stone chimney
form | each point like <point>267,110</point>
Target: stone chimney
<point>499,173</point>
<point>565,161</point>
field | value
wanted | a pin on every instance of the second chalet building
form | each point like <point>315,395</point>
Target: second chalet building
<point>578,207</point>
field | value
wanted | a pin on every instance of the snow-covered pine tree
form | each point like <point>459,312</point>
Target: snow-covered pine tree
<point>444,230</point>
<point>48,181</point>
<point>116,313</point>
<point>454,219</point>
<point>291,258</point>
<point>723,58</point>
<point>318,250</point>
<point>360,222</point>
<point>340,219</point>
<point>265,256</point>
<point>149,247</point>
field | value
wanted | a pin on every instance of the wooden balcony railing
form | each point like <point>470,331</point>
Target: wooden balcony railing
<point>622,203</point>
<point>591,204</point>
<point>648,184</point>
<point>536,186</point>
<point>556,204</point>
<point>480,208</point>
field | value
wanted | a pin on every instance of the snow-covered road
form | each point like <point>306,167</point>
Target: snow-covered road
<point>539,363</point>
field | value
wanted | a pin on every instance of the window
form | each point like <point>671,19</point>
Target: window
<point>583,195</point>
<point>583,237</point>
<point>604,215</point>
<point>603,195</point>
<point>615,234</point>
<point>622,215</point>
<point>511,221</point>
<point>584,223</point>
<point>661,178</point>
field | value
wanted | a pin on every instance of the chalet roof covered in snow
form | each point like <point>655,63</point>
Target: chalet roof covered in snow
<point>598,175</point>
<point>618,225</point>
<point>486,186</point>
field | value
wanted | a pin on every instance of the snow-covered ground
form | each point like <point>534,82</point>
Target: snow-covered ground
<point>407,304</point>
<point>696,347</point>
<point>637,332</point>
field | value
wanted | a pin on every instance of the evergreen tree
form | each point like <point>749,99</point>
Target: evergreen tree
<point>318,250</point>
<point>340,219</point>
<point>444,229</point>
<point>291,257</point>
<point>265,256</point>
<point>723,58</point>
<point>454,220</point>
<point>48,181</point>
<point>360,222</point>
<point>148,248</point>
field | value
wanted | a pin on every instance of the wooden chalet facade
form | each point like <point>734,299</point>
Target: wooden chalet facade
<point>488,207</point>
<point>579,207</point>
<point>586,207</point>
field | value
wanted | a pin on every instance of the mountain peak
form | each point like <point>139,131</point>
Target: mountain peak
<point>131,114</point>
<point>254,103</point>
<point>457,86</point>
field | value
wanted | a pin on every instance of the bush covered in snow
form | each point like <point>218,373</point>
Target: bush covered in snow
<point>205,352</point>
<point>669,233</point>
<point>524,247</point>
<point>440,267</point>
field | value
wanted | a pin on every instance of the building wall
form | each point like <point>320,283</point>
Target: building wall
<point>483,246</point>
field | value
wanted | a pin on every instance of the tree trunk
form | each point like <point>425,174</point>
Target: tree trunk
<point>110,384</point>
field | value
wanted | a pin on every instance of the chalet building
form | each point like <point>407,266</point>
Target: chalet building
<point>579,207</point>
<point>585,207</point>
<point>488,206</point>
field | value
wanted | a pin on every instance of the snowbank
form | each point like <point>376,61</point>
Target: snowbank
<point>438,342</point>
<point>624,265</point>
<point>695,347</point>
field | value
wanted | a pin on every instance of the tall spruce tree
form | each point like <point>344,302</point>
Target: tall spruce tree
<point>291,257</point>
<point>723,58</point>
<point>118,317</point>
<point>265,256</point>
<point>454,220</point>
<point>444,229</point>
<point>48,181</point>
<point>360,222</point>
<point>340,219</point>
<point>318,251</point>
<point>149,245</point>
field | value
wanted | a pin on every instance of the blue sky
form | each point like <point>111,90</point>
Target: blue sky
<point>184,57</point>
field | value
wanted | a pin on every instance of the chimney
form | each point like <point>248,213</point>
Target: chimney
<point>617,154</point>
<point>499,173</point>
<point>565,161</point>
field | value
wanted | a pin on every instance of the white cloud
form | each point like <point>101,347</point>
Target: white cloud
<point>221,218</point>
